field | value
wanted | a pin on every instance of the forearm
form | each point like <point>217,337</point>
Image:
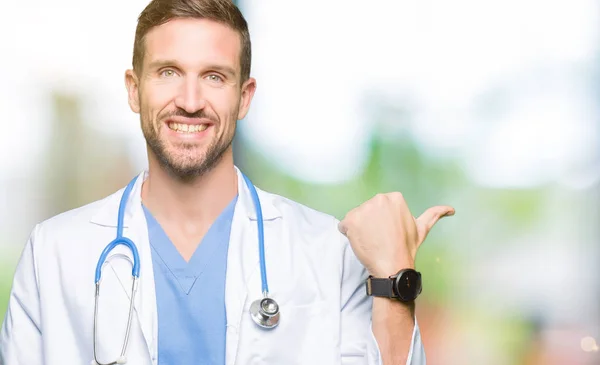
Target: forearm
<point>393,325</point>
<point>385,237</point>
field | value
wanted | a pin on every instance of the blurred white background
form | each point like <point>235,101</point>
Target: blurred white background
<point>490,106</point>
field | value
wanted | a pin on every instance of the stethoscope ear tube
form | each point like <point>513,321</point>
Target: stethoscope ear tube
<point>122,359</point>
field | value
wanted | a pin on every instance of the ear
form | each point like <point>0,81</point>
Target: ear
<point>248,89</point>
<point>131,82</point>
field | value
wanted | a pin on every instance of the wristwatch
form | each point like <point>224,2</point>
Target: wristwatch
<point>404,286</point>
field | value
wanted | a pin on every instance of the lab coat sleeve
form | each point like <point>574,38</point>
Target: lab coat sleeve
<point>21,335</point>
<point>358,343</point>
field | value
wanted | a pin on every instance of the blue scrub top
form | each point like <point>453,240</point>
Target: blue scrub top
<point>191,295</point>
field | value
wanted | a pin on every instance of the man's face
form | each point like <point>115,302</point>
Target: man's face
<point>189,94</point>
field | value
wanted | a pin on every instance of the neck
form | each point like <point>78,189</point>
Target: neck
<point>198,201</point>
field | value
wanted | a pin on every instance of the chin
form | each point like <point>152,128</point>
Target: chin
<point>188,166</point>
<point>187,162</point>
<point>185,172</point>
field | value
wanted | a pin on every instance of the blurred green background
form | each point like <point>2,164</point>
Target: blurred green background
<point>489,107</point>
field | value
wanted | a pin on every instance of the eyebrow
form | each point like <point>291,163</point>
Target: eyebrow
<point>165,63</point>
<point>223,69</point>
<point>162,63</point>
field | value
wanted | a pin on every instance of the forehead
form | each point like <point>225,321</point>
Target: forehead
<point>193,43</point>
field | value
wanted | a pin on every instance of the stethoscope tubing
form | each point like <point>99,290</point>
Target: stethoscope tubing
<point>261,236</point>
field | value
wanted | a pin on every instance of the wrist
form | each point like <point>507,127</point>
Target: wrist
<point>405,285</point>
<point>387,269</point>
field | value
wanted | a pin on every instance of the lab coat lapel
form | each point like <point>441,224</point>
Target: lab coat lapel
<point>240,261</point>
<point>243,273</point>
<point>145,301</point>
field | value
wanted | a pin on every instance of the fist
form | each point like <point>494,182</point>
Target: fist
<point>385,236</point>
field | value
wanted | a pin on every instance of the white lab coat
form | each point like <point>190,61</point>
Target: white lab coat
<point>312,273</point>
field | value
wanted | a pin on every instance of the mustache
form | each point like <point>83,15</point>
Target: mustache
<point>200,114</point>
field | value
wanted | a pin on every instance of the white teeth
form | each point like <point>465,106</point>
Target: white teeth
<point>187,128</point>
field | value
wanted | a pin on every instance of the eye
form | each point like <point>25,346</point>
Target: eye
<point>215,78</point>
<point>167,73</point>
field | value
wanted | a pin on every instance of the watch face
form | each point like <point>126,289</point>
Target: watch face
<point>408,285</point>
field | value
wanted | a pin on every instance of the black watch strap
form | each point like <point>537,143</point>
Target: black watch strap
<point>404,286</point>
<point>381,287</point>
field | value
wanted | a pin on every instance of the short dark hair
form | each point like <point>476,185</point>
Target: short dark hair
<point>158,12</point>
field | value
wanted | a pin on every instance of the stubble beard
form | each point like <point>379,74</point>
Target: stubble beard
<point>185,166</point>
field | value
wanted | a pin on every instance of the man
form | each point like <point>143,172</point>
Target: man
<point>194,225</point>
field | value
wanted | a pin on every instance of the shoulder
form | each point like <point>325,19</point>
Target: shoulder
<point>317,233</point>
<point>301,212</point>
<point>75,219</point>
<point>303,220</point>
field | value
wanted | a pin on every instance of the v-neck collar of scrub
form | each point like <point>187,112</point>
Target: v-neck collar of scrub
<point>186,273</point>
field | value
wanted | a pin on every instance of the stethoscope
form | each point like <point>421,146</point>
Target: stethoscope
<point>264,311</point>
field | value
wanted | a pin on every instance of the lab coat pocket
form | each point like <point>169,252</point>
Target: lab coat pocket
<point>305,335</point>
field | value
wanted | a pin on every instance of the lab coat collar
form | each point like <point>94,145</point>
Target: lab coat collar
<point>107,214</point>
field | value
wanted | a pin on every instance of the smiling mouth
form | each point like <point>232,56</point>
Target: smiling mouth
<point>187,128</point>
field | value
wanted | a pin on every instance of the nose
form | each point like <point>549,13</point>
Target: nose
<point>190,97</point>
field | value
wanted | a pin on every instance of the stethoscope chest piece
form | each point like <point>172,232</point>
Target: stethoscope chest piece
<point>265,312</point>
